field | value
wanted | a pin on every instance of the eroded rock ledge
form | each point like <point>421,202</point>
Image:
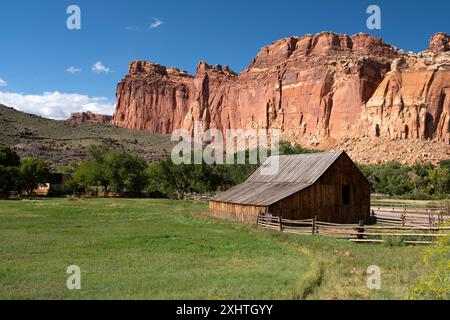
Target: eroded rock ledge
<point>320,90</point>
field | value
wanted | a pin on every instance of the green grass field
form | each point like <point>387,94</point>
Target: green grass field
<point>162,249</point>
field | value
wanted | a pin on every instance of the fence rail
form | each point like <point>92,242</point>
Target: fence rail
<point>411,218</point>
<point>410,229</point>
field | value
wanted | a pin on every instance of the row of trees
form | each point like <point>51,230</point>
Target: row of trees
<point>169,180</point>
<point>22,175</point>
<point>116,170</point>
<point>108,170</point>
<point>419,181</point>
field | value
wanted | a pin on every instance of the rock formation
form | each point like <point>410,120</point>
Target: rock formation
<point>89,117</point>
<point>320,90</point>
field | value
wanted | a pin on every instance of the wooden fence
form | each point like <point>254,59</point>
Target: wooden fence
<point>404,229</point>
<point>411,217</point>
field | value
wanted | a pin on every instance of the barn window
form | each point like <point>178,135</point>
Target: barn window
<point>345,195</point>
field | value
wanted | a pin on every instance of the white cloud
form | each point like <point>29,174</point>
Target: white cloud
<point>156,23</point>
<point>73,70</point>
<point>99,67</point>
<point>3,83</point>
<point>56,105</point>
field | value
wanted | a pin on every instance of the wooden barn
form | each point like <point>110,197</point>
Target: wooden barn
<point>328,186</point>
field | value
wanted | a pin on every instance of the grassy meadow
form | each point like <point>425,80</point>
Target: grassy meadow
<point>163,249</point>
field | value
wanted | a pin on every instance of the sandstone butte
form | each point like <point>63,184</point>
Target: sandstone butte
<point>89,117</point>
<point>325,91</point>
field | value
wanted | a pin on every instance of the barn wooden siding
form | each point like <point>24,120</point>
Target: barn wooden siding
<point>324,199</point>
<point>306,186</point>
<point>244,213</point>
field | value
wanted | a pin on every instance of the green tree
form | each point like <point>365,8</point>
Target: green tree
<point>9,169</point>
<point>93,172</point>
<point>84,175</point>
<point>286,148</point>
<point>170,180</point>
<point>177,180</point>
<point>32,173</point>
<point>157,186</point>
<point>98,168</point>
<point>8,157</point>
<point>70,169</point>
<point>440,180</point>
<point>125,172</point>
<point>111,169</point>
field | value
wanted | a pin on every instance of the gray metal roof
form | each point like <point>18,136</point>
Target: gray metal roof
<point>295,173</point>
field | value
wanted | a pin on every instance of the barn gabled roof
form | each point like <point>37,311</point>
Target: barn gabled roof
<point>295,173</point>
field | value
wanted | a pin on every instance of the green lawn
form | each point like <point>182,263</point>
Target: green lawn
<point>162,249</point>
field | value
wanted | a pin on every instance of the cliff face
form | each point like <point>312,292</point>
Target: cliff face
<point>413,100</point>
<point>89,117</point>
<point>319,90</point>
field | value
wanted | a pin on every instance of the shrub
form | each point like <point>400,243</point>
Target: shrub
<point>394,241</point>
<point>435,283</point>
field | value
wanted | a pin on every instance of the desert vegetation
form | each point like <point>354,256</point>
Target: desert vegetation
<point>60,142</point>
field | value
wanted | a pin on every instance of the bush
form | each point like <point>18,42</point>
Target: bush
<point>435,283</point>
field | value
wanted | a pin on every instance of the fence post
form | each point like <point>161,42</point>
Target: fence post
<point>403,218</point>
<point>280,221</point>
<point>360,230</point>
<point>314,225</point>
<point>257,219</point>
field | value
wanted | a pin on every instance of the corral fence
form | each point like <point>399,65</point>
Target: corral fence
<point>411,217</point>
<point>402,227</point>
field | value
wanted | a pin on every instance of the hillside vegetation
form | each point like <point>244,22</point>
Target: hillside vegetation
<point>58,142</point>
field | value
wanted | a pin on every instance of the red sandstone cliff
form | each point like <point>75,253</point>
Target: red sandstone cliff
<point>321,90</point>
<point>89,117</point>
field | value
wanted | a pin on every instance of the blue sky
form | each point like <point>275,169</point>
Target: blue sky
<point>37,48</point>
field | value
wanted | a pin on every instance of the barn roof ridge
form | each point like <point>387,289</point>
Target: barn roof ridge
<point>310,154</point>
